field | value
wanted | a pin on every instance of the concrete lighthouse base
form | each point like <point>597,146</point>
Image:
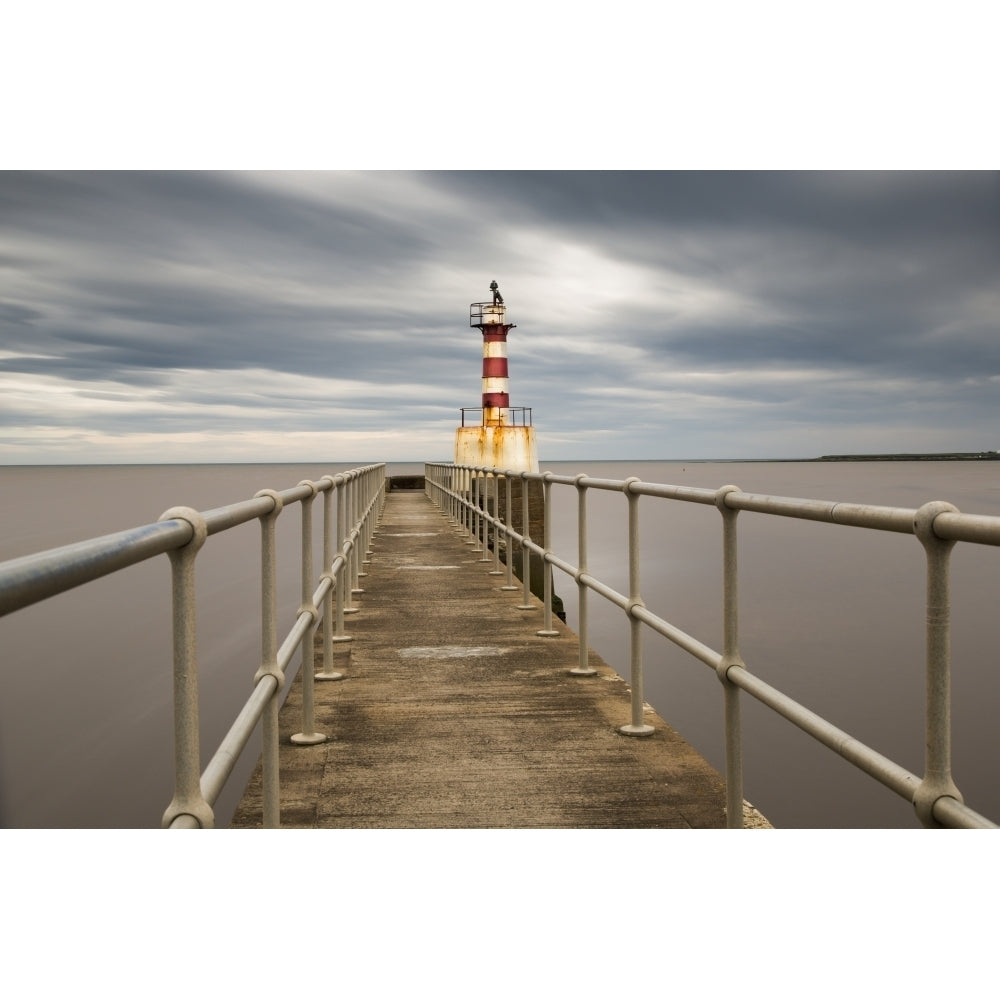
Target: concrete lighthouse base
<point>497,447</point>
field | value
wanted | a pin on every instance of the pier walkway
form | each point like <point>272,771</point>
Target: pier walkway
<point>454,713</point>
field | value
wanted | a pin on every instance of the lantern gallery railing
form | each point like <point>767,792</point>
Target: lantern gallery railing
<point>468,495</point>
<point>180,533</point>
<point>513,416</point>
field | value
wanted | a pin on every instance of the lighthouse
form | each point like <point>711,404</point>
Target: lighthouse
<point>495,435</point>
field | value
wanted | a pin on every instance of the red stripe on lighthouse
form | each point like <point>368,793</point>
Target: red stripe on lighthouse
<point>494,368</point>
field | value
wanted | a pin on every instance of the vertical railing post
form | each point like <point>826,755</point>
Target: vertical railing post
<point>370,496</point>
<point>329,537</point>
<point>269,668</point>
<point>468,518</point>
<point>476,493</point>
<point>731,658</point>
<point>525,604</point>
<point>937,781</point>
<point>508,541</point>
<point>188,799</point>
<point>485,519</point>
<point>308,736</point>
<point>637,727</point>
<point>584,669</point>
<point>351,544</point>
<point>547,631</point>
<point>470,505</point>
<point>357,534</point>
<point>496,571</point>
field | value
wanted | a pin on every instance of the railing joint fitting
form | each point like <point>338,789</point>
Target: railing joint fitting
<point>199,527</point>
<point>720,498</point>
<point>929,792</point>
<point>198,809</point>
<point>276,497</point>
<point>923,523</point>
<point>725,665</point>
<point>632,605</point>
<point>269,670</point>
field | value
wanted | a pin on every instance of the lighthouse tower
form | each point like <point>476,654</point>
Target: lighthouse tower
<point>495,435</point>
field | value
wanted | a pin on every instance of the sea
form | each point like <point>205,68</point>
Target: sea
<point>831,615</point>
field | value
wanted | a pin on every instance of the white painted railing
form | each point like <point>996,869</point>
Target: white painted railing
<point>180,533</point>
<point>467,495</point>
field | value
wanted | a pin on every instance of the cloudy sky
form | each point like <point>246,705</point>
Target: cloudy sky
<point>323,315</point>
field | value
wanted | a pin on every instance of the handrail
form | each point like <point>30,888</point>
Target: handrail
<point>180,533</point>
<point>463,492</point>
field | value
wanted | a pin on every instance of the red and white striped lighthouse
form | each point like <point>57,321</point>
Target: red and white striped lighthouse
<point>502,437</point>
<point>490,318</point>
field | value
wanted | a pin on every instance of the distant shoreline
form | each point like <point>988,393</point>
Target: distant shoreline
<point>941,456</point>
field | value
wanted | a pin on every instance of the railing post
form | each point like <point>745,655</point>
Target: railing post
<point>525,604</point>
<point>496,571</point>
<point>269,668</point>
<point>468,495</point>
<point>468,520</point>
<point>637,727</point>
<point>457,482</point>
<point>369,493</point>
<point>937,781</point>
<point>350,546</point>
<point>731,658</point>
<point>547,631</point>
<point>474,513</point>
<point>508,542</point>
<point>308,736</point>
<point>357,534</point>
<point>328,673</point>
<point>584,669</point>
<point>485,518</point>
<point>188,799</point>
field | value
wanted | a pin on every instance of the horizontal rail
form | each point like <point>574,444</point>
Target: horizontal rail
<point>30,579</point>
<point>937,526</point>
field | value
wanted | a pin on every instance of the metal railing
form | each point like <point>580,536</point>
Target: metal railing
<point>180,533</point>
<point>515,416</point>
<point>477,310</point>
<point>464,494</point>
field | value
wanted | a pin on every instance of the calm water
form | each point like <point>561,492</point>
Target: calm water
<point>831,615</point>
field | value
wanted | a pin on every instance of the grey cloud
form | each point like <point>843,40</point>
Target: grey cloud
<point>131,277</point>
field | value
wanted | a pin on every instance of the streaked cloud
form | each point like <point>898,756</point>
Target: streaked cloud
<point>165,316</point>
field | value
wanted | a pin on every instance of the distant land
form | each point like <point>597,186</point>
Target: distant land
<point>931,456</point>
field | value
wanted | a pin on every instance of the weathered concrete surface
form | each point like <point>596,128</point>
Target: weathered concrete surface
<point>454,714</point>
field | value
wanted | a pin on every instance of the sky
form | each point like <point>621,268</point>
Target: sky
<point>324,315</point>
<point>742,233</point>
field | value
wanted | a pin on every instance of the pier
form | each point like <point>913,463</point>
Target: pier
<point>454,713</point>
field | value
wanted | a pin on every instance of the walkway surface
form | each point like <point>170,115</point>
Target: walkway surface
<point>454,713</point>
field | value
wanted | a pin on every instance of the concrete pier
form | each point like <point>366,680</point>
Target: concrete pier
<point>453,713</point>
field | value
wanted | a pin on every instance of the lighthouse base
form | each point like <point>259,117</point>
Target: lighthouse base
<point>497,447</point>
